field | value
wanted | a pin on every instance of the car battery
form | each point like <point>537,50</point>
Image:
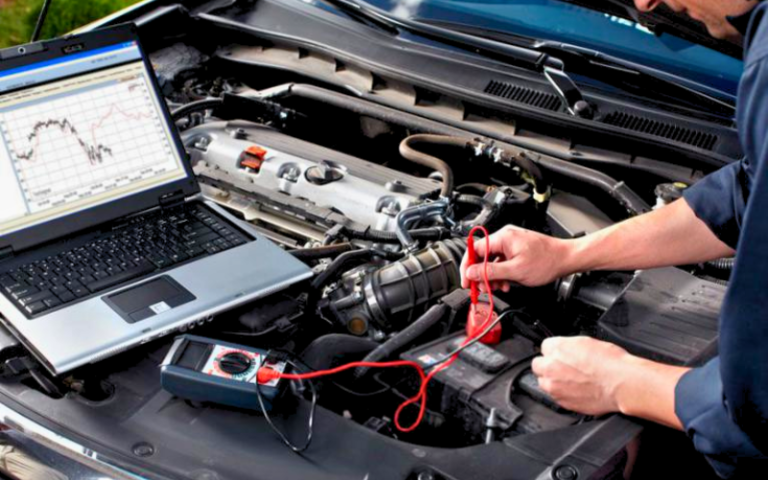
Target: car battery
<point>488,387</point>
<point>207,370</point>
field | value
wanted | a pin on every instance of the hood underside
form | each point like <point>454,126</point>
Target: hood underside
<point>664,20</point>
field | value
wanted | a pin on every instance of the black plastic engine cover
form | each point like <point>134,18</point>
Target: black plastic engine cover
<point>666,315</point>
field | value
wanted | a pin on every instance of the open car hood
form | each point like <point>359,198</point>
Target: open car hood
<point>664,20</point>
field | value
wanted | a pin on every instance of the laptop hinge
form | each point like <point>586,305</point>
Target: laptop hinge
<point>172,199</point>
<point>6,252</point>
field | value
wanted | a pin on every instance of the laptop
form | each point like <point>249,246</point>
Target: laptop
<point>105,240</point>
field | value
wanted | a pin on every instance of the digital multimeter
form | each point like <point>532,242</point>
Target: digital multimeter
<point>206,370</point>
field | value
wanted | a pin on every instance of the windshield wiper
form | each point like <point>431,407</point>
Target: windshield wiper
<point>644,80</point>
<point>625,75</point>
<point>532,59</point>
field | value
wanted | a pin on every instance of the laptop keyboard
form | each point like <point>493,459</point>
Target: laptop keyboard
<point>147,244</point>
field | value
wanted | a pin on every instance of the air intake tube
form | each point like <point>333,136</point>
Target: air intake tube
<point>390,298</point>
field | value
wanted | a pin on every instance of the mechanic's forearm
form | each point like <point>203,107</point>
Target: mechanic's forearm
<point>647,390</point>
<point>672,235</point>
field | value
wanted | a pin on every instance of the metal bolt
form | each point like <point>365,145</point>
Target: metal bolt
<point>239,134</point>
<point>566,472</point>
<point>202,143</point>
<point>497,155</point>
<point>425,476</point>
<point>143,449</point>
<point>291,174</point>
<point>395,186</point>
<point>490,423</point>
<point>391,208</point>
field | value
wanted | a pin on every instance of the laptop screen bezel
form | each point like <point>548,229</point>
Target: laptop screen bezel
<point>111,210</point>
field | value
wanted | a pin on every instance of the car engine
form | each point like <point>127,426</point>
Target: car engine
<point>380,203</point>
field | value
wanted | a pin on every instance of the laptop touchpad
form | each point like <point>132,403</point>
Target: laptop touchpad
<point>149,299</point>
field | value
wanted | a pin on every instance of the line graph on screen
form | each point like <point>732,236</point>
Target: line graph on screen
<point>81,144</point>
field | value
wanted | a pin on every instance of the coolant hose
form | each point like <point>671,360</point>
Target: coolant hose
<point>409,149</point>
<point>405,337</point>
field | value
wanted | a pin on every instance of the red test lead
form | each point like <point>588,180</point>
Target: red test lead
<point>480,313</point>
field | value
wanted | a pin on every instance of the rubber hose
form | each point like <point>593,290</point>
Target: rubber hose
<point>472,200</point>
<point>405,337</point>
<point>321,353</point>
<point>341,263</point>
<point>479,187</point>
<point>409,150</point>
<point>522,161</point>
<point>197,106</point>
<point>620,192</point>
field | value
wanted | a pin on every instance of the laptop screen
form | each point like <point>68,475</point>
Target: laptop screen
<point>78,132</point>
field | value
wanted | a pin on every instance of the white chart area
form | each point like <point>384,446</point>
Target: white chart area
<point>11,201</point>
<point>71,147</point>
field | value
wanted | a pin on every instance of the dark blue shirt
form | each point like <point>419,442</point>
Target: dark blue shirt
<point>724,405</point>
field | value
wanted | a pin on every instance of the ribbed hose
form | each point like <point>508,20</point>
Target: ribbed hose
<point>409,149</point>
<point>724,264</point>
<point>405,338</point>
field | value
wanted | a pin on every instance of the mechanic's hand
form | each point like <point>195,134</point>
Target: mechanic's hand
<point>517,255</point>
<point>582,374</point>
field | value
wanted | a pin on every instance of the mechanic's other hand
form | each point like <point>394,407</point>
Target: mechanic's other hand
<point>582,374</point>
<point>518,255</point>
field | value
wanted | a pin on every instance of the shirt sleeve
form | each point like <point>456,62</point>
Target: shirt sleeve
<point>700,406</point>
<point>719,200</point>
<point>724,405</point>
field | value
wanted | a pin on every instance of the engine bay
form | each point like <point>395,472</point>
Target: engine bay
<point>385,235</point>
<point>380,203</point>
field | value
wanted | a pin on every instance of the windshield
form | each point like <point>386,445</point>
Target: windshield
<point>563,22</point>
